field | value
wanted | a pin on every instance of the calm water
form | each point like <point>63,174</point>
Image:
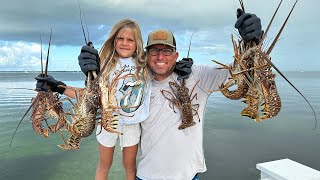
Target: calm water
<point>233,144</point>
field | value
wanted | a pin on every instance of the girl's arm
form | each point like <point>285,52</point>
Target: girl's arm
<point>71,91</point>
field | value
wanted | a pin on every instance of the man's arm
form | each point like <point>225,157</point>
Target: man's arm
<point>211,77</point>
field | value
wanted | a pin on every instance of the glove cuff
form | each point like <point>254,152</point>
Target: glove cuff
<point>58,88</point>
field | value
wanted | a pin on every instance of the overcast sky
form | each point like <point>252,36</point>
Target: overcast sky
<point>22,22</point>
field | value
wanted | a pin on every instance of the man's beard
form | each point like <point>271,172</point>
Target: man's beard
<point>165,74</point>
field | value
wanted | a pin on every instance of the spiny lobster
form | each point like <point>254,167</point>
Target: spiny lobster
<point>181,98</point>
<point>83,113</point>
<point>46,105</point>
<point>109,104</point>
<point>255,65</point>
<point>239,79</point>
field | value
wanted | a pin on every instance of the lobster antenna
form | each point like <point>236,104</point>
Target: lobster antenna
<point>41,55</point>
<point>241,4</point>
<point>85,21</point>
<point>34,101</point>
<point>31,70</point>
<point>47,61</point>
<point>268,27</point>
<point>84,34</point>
<point>280,31</point>
<point>190,42</point>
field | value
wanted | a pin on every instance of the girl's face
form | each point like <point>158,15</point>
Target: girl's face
<point>125,43</point>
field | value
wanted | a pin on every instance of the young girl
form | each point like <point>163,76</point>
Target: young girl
<point>122,62</point>
<point>123,51</point>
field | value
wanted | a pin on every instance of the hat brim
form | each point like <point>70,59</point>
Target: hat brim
<point>161,43</point>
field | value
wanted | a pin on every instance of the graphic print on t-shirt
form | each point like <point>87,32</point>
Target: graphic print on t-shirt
<point>132,95</point>
<point>131,90</point>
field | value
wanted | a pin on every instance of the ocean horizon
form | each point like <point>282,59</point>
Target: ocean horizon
<point>233,144</point>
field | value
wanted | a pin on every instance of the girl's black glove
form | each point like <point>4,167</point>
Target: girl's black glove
<point>49,83</point>
<point>89,60</point>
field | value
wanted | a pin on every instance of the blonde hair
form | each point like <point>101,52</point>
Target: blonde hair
<point>109,56</point>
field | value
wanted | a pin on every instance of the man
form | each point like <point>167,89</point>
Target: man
<point>167,153</point>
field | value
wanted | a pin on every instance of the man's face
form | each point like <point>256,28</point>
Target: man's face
<point>163,62</point>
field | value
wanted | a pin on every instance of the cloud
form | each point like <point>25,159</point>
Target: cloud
<point>23,21</point>
<point>19,55</point>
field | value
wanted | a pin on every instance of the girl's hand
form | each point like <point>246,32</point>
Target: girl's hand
<point>89,60</point>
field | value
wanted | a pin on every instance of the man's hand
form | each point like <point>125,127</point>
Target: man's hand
<point>89,60</point>
<point>49,83</point>
<point>249,26</point>
<point>183,68</point>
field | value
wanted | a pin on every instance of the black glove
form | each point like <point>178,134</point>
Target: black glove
<point>183,68</point>
<point>249,26</point>
<point>49,83</point>
<point>89,59</point>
